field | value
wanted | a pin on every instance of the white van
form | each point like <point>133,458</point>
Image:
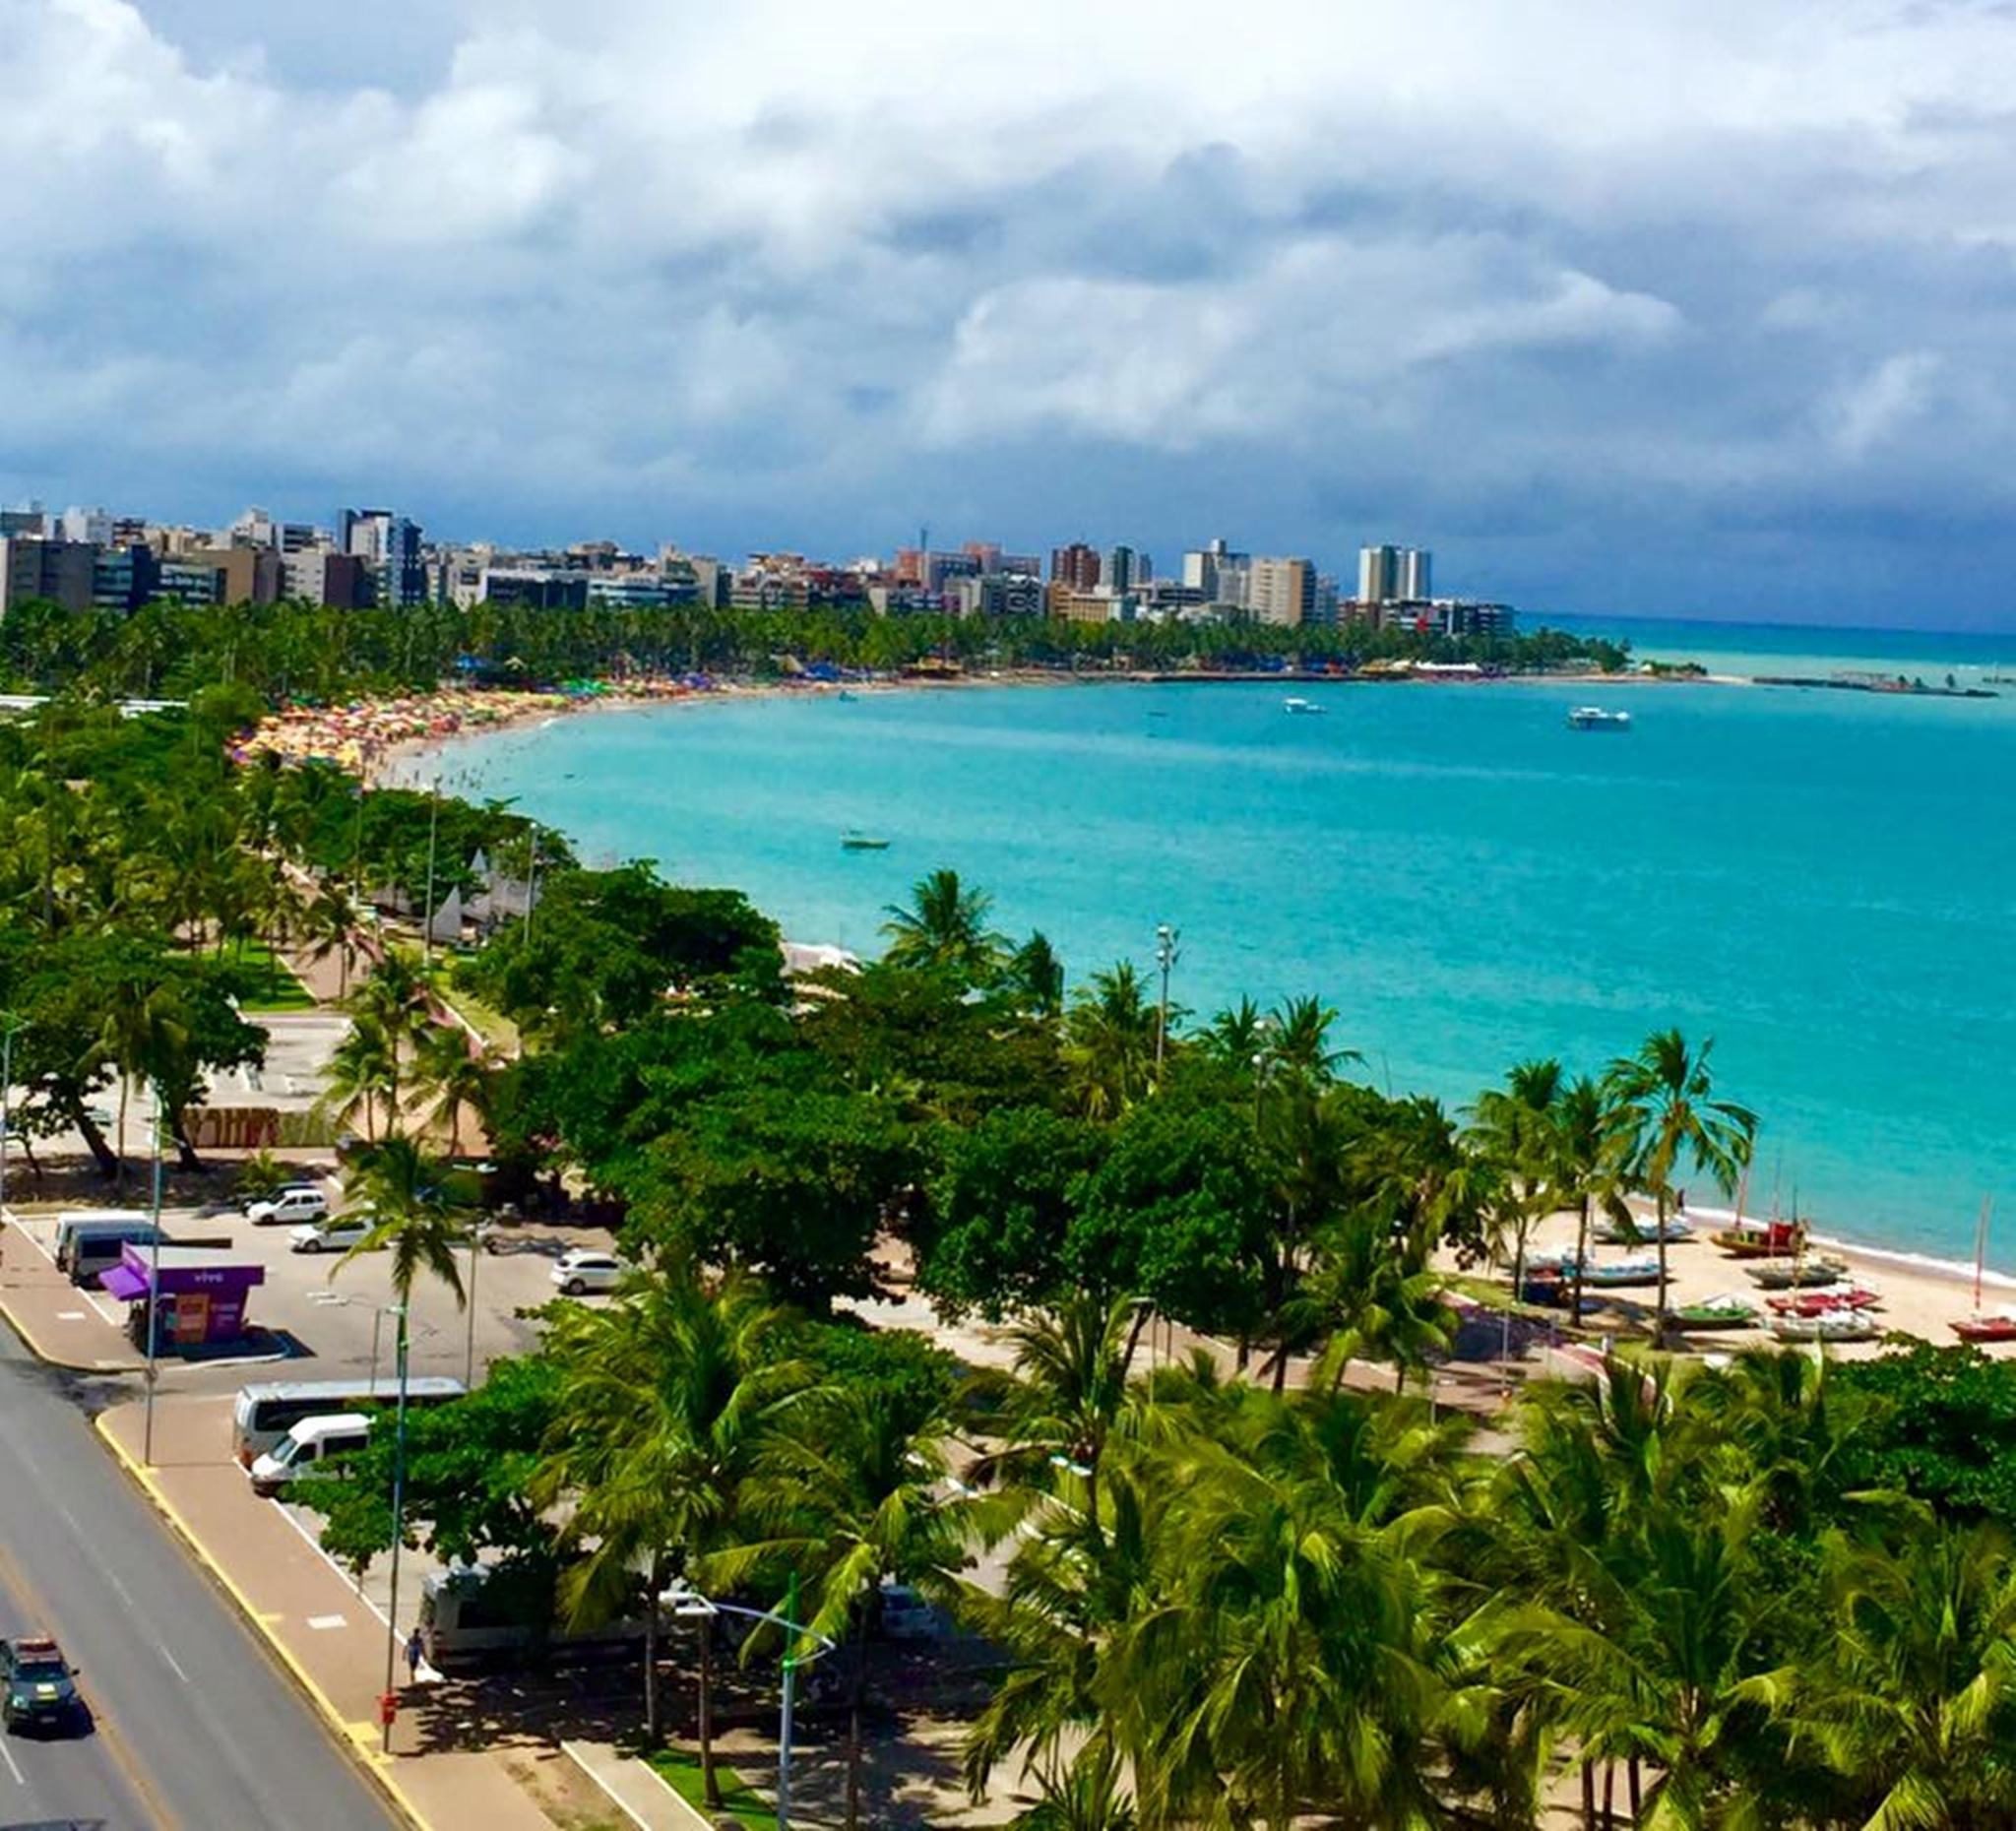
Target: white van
<point>87,1240</point>
<point>298,1202</point>
<point>266,1411</point>
<point>307,1450</point>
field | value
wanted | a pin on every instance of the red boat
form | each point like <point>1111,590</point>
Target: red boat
<point>1823,1302</point>
<point>1997,1328</point>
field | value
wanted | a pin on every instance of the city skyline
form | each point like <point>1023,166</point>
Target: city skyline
<point>1661,313</point>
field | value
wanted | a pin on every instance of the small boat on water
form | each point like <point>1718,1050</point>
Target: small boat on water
<point>847,696</point>
<point>1596,718</point>
<point>862,841</point>
<point>1303,708</point>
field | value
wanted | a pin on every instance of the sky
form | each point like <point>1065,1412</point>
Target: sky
<point>1668,308</point>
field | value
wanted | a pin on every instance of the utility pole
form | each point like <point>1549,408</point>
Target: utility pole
<point>1167,954</point>
<point>153,1289</point>
<point>10,1028</point>
<point>384,1713</point>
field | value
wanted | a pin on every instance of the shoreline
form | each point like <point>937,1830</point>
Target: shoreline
<point>415,758</point>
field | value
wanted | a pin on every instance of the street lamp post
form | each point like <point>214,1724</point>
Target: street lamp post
<point>1167,955</point>
<point>10,1028</point>
<point>398,1530</point>
<point>153,1289</point>
<point>427,912</point>
<point>688,1604</point>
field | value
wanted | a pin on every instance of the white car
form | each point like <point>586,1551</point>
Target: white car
<point>335,1233</point>
<point>300,1201</point>
<point>585,1269</point>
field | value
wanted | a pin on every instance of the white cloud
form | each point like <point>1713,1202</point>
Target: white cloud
<point>765,267</point>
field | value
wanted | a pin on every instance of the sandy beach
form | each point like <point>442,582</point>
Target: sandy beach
<point>1921,1297</point>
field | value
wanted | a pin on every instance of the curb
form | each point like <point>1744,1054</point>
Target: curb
<point>48,1360</point>
<point>377,1765</point>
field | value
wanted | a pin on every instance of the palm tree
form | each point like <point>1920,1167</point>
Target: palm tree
<point>1588,1163</point>
<point>1110,1034</point>
<point>1515,1127</point>
<point>457,1071</point>
<point>362,1071</point>
<point>1036,976</point>
<point>329,926</point>
<point>1085,1795</point>
<point>417,1211</point>
<point>945,927</point>
<point>670,1397</point>
<point>1297,1043</point>
<point>1913,1698</point>
<point>862,1488</point>
<point>1666,1104</point>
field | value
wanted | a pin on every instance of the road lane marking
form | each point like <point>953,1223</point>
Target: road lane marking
<point>174,1665</point>
<point>7,1754</point>
<point>70,1315</point>
<point>323,1623</point>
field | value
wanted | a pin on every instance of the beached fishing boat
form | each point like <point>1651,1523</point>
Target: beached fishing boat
<point>1778,1239</point>
<point>1731,1311</point>
<point>1797,1274</point>
<point>1998,1326</point>
<point>1636,1232</point>
<point>1838,1325</point>
<point>1596,718</point>
<point>1623,1275</point>
<point>862,841</point>
<point>1834,1299</point>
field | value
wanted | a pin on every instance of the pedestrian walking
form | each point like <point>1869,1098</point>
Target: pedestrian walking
<point>415,1652</point>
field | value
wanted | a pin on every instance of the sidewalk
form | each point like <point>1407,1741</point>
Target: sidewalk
<point>330,1638</point>
<point>59,1322</point>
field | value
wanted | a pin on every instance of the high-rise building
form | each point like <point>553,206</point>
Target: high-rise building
<point>61,571</point>
<point>390,546</point>
<point>1281,590</point>
<point>1122,569</point>
<point>1075,566</point>
<point>1415,575</point>
<point>1379,573</point>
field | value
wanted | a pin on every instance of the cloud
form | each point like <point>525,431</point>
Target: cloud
<point>1532,284</point>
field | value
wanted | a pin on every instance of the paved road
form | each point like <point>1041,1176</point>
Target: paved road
<point>197,1728</point>
<point>72,1781</point>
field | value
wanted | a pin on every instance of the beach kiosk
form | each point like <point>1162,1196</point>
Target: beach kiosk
<point>202,1297</point>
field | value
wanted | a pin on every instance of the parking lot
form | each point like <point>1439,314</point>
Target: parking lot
<point>329,1317</point>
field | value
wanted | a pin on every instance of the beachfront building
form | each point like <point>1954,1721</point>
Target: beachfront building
<point>34,567</point>
<point>389,544</point>
<point>1075,567</point>
<point>1281,590</point>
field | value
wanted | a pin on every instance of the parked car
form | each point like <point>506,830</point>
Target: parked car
<point>298,1201</point>
<point>38,1689</point>
<point>585,1269</point>
<point>906,1615</point>
<point>332,1234</point>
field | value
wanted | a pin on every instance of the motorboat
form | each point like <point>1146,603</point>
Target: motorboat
<point>1596,718</point>
<point>862,841</point>
<point>1303,708</point>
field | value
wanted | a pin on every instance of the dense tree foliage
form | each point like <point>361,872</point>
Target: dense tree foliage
<point>302,652</point>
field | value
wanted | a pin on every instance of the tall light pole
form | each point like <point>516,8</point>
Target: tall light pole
<point>427,912</point>
<point>154,1288</point>
<point>398,1533</point>
<point>10,1028</point>
<point>688,1603</point>
<point>1167,955</point>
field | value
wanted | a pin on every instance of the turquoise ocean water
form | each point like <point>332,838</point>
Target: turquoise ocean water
<point>1825,882</point>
